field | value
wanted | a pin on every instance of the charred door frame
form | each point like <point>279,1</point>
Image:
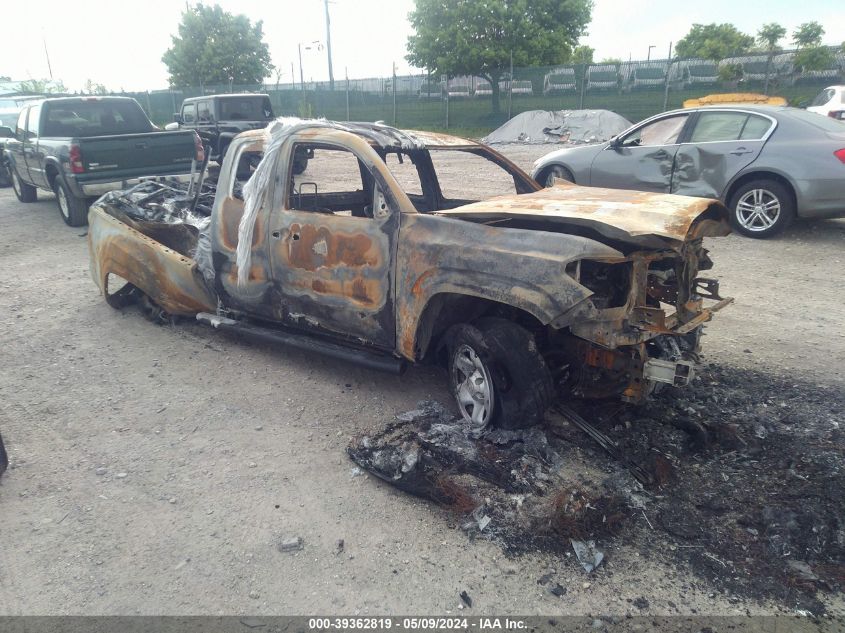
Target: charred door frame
<point>331,273</point>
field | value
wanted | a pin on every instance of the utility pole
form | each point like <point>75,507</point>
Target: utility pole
<point>47,55</point>
<point>301,79</point>
<point>329,44</point>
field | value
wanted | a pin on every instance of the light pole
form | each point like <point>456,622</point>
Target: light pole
<point>307,48</point>
<point>648,57</point>
<point>329,44</point>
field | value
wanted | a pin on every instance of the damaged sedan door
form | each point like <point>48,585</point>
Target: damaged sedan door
<point>332,239</point>
<point>643,159</point>
<point>721,144</point>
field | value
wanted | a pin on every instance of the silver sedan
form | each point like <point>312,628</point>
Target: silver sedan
<point>768,164</point>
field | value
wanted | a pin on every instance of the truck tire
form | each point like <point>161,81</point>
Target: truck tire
<point>24,192</point>
<point>74,211</point>
<point>497,375</point>
<point>4,458</point>
<point>5,174</point>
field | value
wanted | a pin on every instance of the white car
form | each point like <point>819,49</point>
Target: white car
<point>829,101</point>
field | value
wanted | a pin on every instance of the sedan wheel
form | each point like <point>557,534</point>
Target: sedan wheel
<point>557,172</point>
<point>761,208</point>
<point>758,210</point>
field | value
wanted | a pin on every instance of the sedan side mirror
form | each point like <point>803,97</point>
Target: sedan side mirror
<point>6,132</point>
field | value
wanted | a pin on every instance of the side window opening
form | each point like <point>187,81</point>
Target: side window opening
<point>333,181</point>
<point>755,128</point>
<point>189,113</point>
<point>33,122</point>
<point>454,168</point>
<point>20,129</point>
<point>662,132</point>
<point>203,112</point>
<point>406,172</point>
<point>718,126</point>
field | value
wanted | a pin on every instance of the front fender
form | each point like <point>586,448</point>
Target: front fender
<point>520,268</point>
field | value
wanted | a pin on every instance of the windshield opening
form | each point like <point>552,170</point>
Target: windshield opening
<point>440,178</point>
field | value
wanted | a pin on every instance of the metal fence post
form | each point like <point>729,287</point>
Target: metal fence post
<point>347,95</point>
<point>445,86</point>
<point>583,86</point>
<point>668,69</point>
<point>394,93</point>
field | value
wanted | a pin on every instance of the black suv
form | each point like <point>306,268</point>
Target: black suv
<point>219,118</point>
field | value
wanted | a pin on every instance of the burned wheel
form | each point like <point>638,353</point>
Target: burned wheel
<point>472,385</point>
<point>497,375</point>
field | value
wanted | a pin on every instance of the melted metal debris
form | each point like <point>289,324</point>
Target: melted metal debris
<point>746,472</point>
<point>165,203</point>
<point>508,485</point>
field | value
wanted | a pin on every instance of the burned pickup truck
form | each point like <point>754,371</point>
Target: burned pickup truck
<point>397,247</point>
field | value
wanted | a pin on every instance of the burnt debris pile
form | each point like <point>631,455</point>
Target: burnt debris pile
<point>745,480</point>
<point>510,486</point>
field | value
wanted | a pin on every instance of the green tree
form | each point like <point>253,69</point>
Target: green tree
<point>808,35</point>
<point>93,88</point>
<point>482,37</point>
<point>214,46</point>
<point>43,86</point>
<point>714,41</point>
<point>811,55</point>
<point>582,54</point>
<point>768,37</point>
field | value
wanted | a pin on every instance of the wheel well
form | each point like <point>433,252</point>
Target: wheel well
<point>761,175</point>
<point>51,171</point>
<point>445,310</point>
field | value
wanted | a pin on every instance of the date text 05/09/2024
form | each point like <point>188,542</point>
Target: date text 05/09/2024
<point>415,624</point>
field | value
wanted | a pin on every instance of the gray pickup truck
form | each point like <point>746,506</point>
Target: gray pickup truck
<point>82,147</point>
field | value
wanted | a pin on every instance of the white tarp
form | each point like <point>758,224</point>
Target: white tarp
<point>561,126</point>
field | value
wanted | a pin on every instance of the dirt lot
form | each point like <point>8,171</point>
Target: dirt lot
<point>156,469</point>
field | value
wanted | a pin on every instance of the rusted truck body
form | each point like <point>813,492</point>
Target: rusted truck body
<point>586,291</point>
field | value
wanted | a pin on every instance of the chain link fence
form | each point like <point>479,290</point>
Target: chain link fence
<point>633,89</point>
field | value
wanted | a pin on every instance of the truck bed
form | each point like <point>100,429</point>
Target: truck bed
<point>156,256</point>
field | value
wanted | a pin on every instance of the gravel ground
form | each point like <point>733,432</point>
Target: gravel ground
<point>156,469</point>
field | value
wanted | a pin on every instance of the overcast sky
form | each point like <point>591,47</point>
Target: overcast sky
<point>120,43</point>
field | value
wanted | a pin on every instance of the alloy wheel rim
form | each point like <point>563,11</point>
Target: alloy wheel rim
<point>758,210</point>
<point>473,387</point>
<point>63,206</point>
